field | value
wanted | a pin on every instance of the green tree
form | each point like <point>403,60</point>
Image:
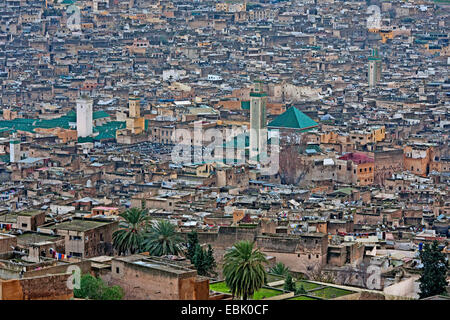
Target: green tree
<point>434,272</point>
<point>280,269</point>
<point>300,290</point>
<point>162,239</point>
<point>198,260</point>
<point>113,293</point>
<point>95,289</point>
<point>203,260</point>
<point>210,260</point>
<point>89,288</point>
<point>191,244</point>
<point>129,238</point>
<point>289,285</point>
<point>244,269</point>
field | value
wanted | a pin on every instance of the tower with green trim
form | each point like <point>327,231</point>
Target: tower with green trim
<point>14,149</point>
<point>258,120</point>
<point>374,74</point>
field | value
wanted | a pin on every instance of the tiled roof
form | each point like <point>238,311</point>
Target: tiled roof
<point>294,119</point>
<point>61,122</point>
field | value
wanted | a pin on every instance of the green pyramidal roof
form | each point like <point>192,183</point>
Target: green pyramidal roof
<point>294,119</point>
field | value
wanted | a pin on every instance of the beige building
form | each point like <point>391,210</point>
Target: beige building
<point>153,278</point>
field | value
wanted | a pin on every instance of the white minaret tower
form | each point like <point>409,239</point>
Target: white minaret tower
<point>258,125</point>
<point>14,149</point>
<point>84,117</point>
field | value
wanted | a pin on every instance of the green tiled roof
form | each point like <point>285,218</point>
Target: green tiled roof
<point>347,191</point>
<point>100,114</point>
<point>62,122</point>
<point>258,94</point>
<point>4,158</point>
<point>108,130</point>
<point>85,139</point>
<point>245,105</point>
<point>294,119</point>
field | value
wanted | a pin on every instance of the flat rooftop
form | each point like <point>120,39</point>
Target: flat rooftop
<point>80,225</point>
<point>157,263</point>
<point>6,236</point>
<point>30,237</point>
<point>8,218</point>
<point>30,213</point>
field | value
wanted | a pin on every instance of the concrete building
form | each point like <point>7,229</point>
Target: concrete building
<point>305,253</point>
<point>143,277</point>
<point>85,238</point>
<point>7,242</point>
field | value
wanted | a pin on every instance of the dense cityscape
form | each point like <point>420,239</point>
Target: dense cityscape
<point>224,150</point>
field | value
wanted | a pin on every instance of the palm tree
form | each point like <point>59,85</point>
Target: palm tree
<point>130,237</point>
<point>161,239</point>
<point>279,269</point>
<point>244,269</point>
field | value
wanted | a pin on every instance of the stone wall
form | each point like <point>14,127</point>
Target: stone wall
<point>142,283</point>
<point>367,219</point>
<point>387,163</point>
<point>278,244</point>
<point>6,242</point>
<point>301,254</point>
<point>225,237</point>
<point>85,267</point>
<point>52,287</point>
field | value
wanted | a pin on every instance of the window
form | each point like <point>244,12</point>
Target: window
<point>24,225</point>
<point>309,256</point>
<point>117,270</point>
<point>76,254</point>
